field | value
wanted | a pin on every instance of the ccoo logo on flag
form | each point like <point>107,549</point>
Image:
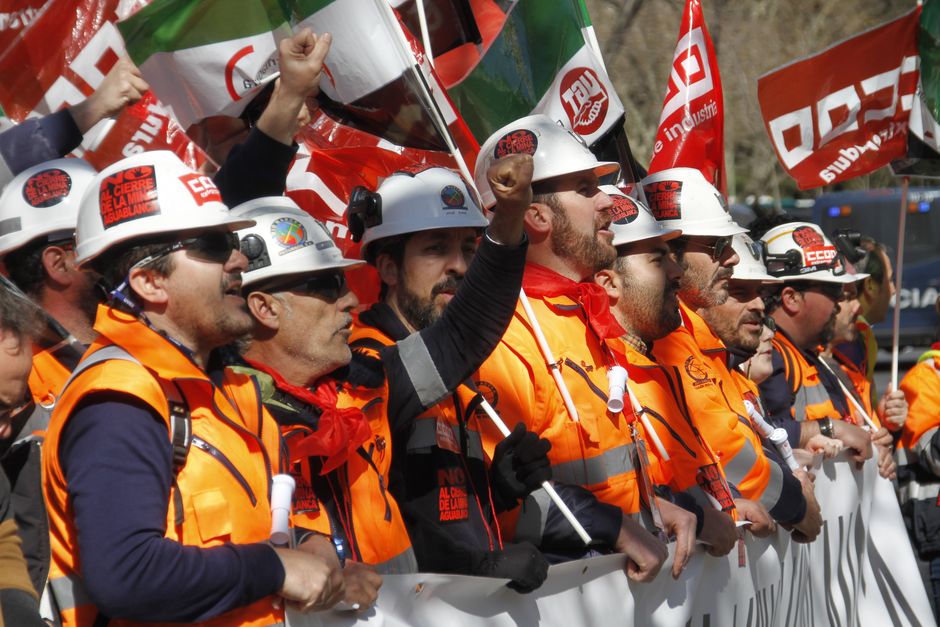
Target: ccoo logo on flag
<point>691,75</point>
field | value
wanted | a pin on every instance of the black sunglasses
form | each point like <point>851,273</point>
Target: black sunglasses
<point>328,285</point>
<point>833,291</point>
<point>717,249</point>
<point>770,323</point>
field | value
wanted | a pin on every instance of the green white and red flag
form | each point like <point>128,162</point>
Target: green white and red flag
<point>530,56</point>
<point>692,123</point>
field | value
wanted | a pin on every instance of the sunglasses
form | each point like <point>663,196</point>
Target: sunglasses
<point>833,291</point>
<point>329,285</point>
<point>213,246</point>
<point>717,249</point>
<point>770,323</point>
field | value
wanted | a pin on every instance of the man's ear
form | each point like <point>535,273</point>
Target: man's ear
<point>610,281</point>
<point>387,269</point>
<point>148,285</point>
<point>538,221</point>
<point>266,309</point>
<point>791,300</point>
<point>55,262</point>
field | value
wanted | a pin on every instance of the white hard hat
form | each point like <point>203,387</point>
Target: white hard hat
<point>631,220</point>
<point>555,151</point>
<point>409,202</point>
<point>146,195</point>
<point>800,251</point>
<point>43,201</point>
<point>285,241</point>
<point>751,265</point>
<point>682,198</point>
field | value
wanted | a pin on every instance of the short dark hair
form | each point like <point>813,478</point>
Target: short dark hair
<point>114,265</point>
<point>19,315</point>
<point>394,247</point>
<point>26,268</point>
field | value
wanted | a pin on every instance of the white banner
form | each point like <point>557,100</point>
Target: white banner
<point>860,571</point>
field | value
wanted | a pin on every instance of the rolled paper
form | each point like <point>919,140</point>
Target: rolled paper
<point>617,384</point>
<point>282,490</point>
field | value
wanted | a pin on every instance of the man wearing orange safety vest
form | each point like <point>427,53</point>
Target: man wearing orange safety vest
<point>642,286</point>
<point>420,230</point>
<point>565,314</point>
<point>802,395</point>
<point>919,461</point>
<point>158,463</point>
<point>768,491</point>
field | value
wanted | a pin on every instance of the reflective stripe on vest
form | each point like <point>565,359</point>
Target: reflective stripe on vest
<point>533,517</point>
<point>598,469</point>
<point>421,370</point>
<point>424,436</point>
<point>68,592</point>
<point>402,564</point>
<point>808,396</point>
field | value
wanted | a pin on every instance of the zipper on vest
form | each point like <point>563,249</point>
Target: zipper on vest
<point>221,458</point>
<point>382,489</point>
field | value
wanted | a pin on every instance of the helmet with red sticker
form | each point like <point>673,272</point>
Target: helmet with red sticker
<point>144,196</point>
<point>555,151</point>
<point>631,220</point>
<point>800,251</point>
<point>682,198</point>
<point>42,203</point>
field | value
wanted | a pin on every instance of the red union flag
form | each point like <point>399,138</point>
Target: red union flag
<point>843,112</point>
<point>692,124</point>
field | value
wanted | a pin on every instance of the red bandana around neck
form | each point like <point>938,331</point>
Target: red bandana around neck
<point>340,431</point>
<point>540,282</point>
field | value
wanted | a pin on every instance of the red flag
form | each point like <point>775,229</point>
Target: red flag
<point>692,125</point>
<point>338,158</point>
<point>40,78</point>
<point>843,112</point>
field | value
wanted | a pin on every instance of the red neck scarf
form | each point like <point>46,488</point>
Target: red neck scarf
<point>340,431</point>
<point>540,282</point>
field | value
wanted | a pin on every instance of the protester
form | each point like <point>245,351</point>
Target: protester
<point>919,464</point>
<point>801,395</point>
<point>420,229</point>
<point>19,598</point>
<point>35,140</point>
<point>568,228</point>
<point>643,286</point>
<point>767,490</point>
<point>174,526</point>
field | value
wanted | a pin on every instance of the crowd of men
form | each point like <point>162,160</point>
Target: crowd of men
<point>188,343</point>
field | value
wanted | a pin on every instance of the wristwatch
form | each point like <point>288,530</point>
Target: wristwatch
<point>825,427</point>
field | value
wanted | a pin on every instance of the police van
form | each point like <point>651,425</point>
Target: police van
<point>875,213</point>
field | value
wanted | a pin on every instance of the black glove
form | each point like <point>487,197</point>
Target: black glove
<point>521,562</point>
<point>520,465</point>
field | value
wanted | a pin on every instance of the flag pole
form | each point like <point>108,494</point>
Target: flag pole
<point>898,271</point>
<point>425,36</point>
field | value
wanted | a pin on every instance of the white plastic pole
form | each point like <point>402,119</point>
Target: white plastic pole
<point>549,357</point>
<point>425,37</point>
<point>641,414</point>
<point>868,421</point>
<point>780,440</point>
<point>552,494</point>
<point>765,427</point>
<point>282,489</point>
<point>898,271</point>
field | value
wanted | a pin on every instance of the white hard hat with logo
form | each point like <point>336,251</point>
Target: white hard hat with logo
<point>42,202</point>
<point>683,199</point>
<point>631,220</point>
<point>285,242</point>
<point>800,251</point>
<point>412,201</point>
<point>555,151</point>
<point>147,195</point>
<point>751,265</point>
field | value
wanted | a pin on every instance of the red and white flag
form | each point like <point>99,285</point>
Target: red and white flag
<point>692,124</point>
<point>844,112</point>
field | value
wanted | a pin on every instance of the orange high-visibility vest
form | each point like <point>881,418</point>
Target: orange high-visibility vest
<point>597,452</point>
<point>221,503</point>
<point>811,399</point>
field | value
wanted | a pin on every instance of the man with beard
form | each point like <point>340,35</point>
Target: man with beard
<point>420,231</point>
<point>562,312</point>
<point>682,198</point>
<point>158,462</point>
<point>643,286</point>
<point>802,395</point>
